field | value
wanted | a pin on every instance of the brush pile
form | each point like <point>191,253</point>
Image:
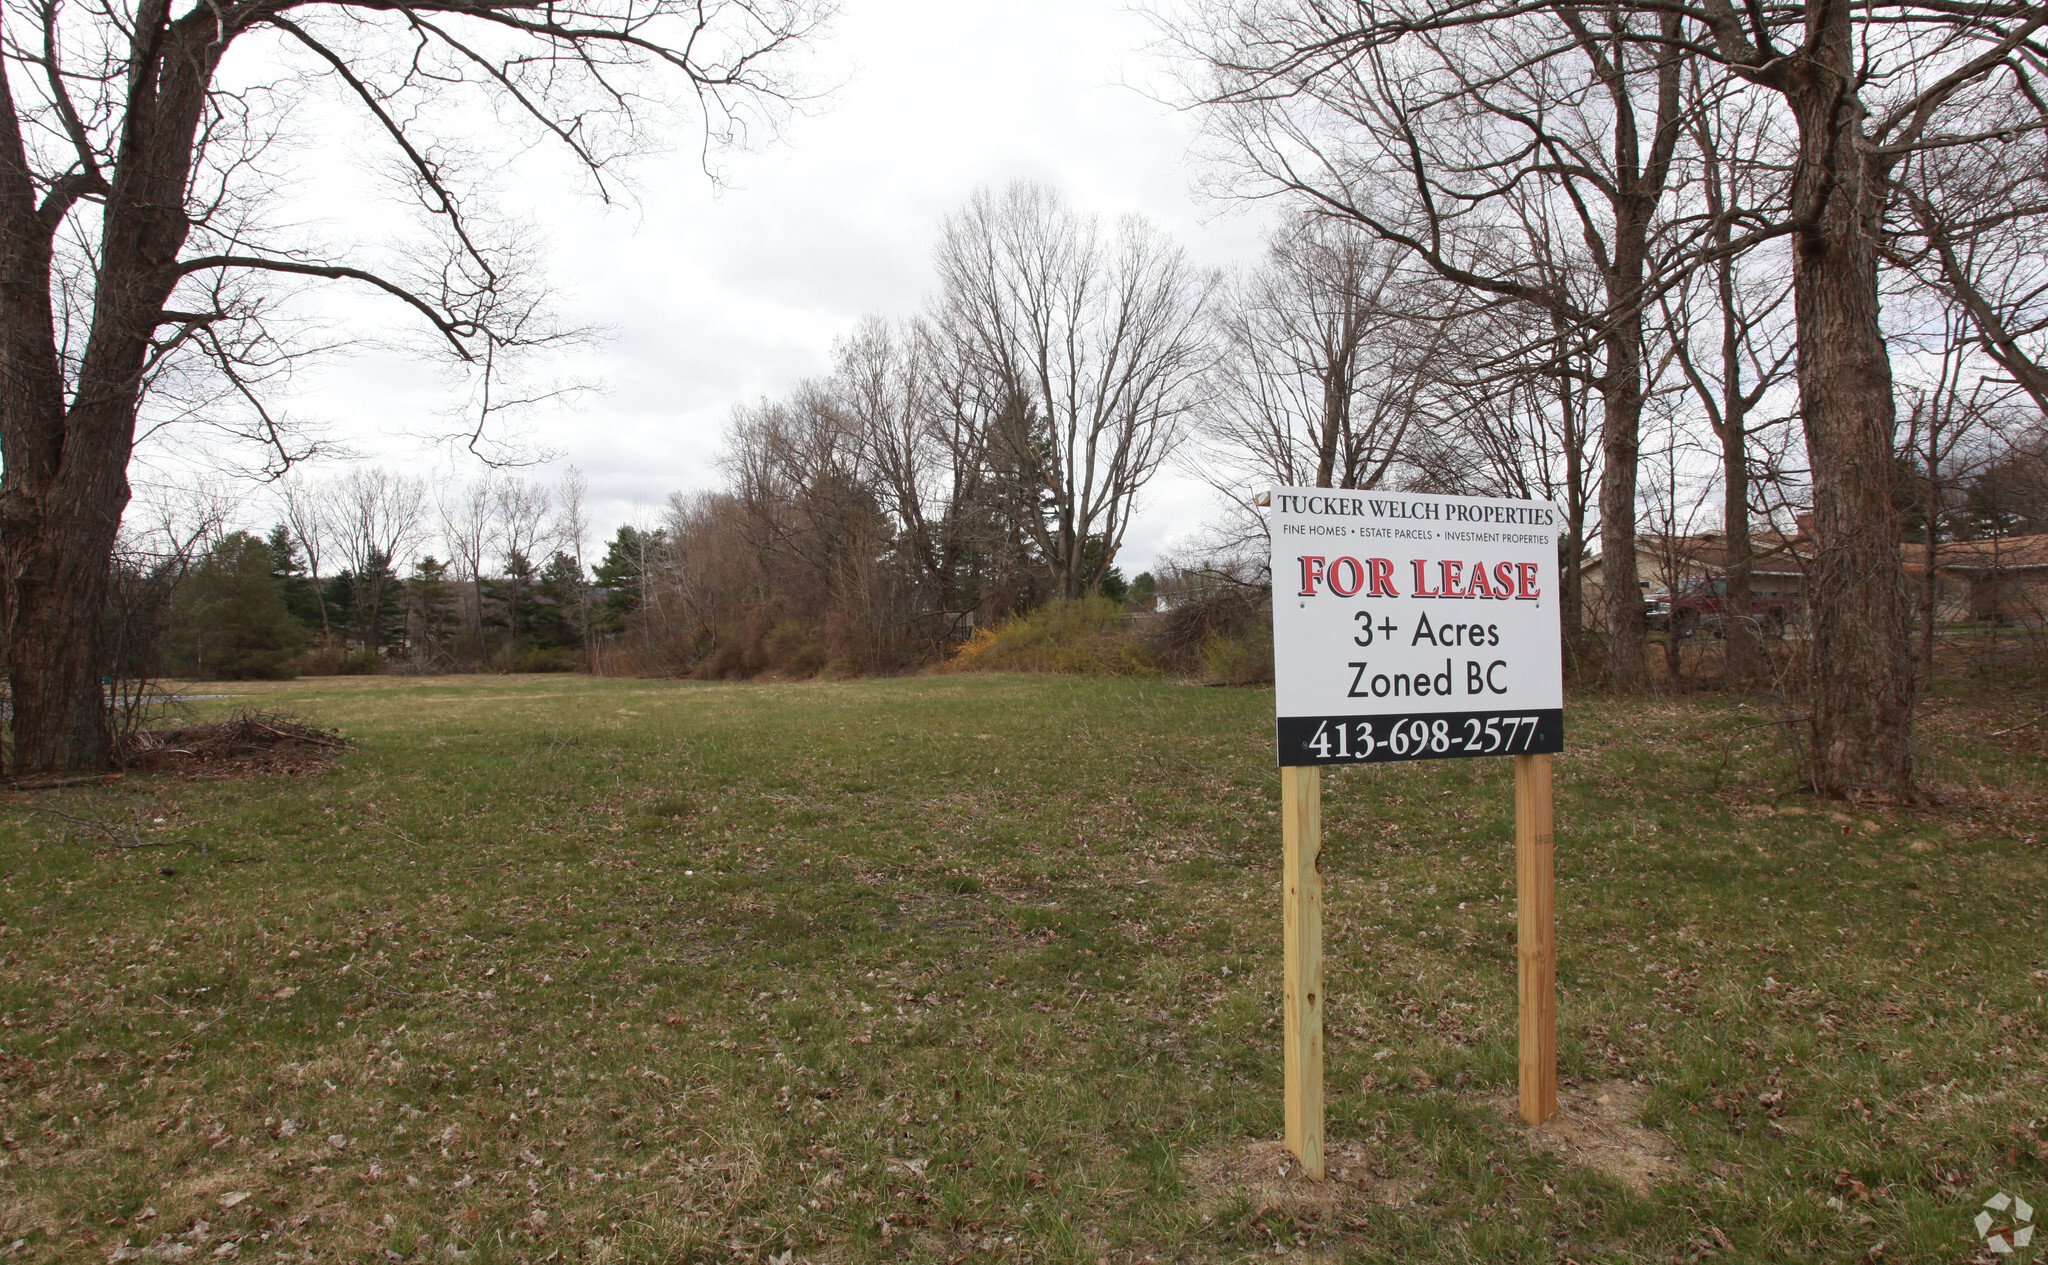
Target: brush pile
<point>246,742</point>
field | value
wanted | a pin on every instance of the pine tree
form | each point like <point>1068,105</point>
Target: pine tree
<point>229,620</point>
<point>300,597</point>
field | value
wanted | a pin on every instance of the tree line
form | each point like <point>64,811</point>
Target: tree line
<point>371,571</point>
<point>1746,232</point>
<point>953,468</point>
<point>151,265</point>
<point>937,479</point>
<point>1639,259</point>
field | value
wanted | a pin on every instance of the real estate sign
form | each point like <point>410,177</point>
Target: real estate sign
<point>1414,627</point>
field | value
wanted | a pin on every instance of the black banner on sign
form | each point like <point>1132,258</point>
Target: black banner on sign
<point>1308,740</point>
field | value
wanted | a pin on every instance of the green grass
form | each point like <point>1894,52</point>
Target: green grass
<point>986,967</point>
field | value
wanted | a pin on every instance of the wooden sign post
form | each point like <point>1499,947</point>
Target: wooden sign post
<point>1413,627</point>
<point>1301,832</point>
<point>1535,938</point>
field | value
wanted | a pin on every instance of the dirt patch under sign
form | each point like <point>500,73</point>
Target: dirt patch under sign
<point>1596,1126</point>
<point>1266,1173</point>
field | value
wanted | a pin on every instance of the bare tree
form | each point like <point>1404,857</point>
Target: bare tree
<point>1975,233</point>
<point>1093,344</point>
<point>1727,321</point>
<point>1951,414</point>
<point>306,517</point>
<point>880,384</point>
<point>1470,136</point>
<point>171,527</point>
<point>988,538</point>
<point>572,536</point>
<point>1862,88</point>
<point>140,261</point>
<point>523,511</point>
<point>374,517</point>
<point>919,422</point>
<point>1676,498</point>
<point>1866,88</point>
<point>468,522</point>
<point>1330,354</point>
<point>522,528</point>
<point>1567,468</point>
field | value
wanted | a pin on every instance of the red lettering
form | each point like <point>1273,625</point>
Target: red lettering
<point>1382,577</point>
<point>1422,579</point>
<point>1336,577</point>
<point>1453,574</point>
<point>1504,579</point>
<point>1527,571</point>
<point>1478,586</point>
<point>1311,575</point>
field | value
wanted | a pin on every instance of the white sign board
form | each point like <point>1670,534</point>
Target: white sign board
<point>1414,627</point>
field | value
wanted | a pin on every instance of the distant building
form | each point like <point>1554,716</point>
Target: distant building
<point>2003,579</point>
<point>1665,564</point>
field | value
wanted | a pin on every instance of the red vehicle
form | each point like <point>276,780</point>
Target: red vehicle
<point>1703,604</point>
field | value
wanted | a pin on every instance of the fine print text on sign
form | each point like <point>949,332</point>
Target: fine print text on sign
<point>1414,627</point>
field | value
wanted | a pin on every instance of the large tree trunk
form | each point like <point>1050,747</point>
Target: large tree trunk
<point>65,484</point>
<point>1741,648</point>
<point>57,720</point>
<point>1639,180</point>
<point>1860,657</point>
<point>58,567</point>
<point>1572,604</point>
<point>1930,578</point>
<point>1621,418</point>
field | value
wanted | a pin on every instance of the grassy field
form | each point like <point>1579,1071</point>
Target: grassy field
<point>986,968</point>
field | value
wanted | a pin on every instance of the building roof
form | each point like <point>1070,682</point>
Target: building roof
<point>1770,553</point>
<point>2008,553</point>
<point>1774,554</point>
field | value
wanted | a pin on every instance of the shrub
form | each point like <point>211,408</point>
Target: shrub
<point>791,648</point>
<point>324,657</point>
<point>1238,660</point>
<point>544,659</point>
<point>1223,635</point>
<point>978,643</point>
<point>1086,637</point>
<point>228,620</point>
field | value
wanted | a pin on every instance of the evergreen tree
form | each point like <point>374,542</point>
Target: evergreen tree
<point>2010,496</point>
<point>621,576</point>
<point>432,615</point>
<point>339,594</point>
<point>376,609</point>
<point>1109,581</point>
<point>300,597</point>
<point>558,606</point>
<point>518,590</point>
<point>229,620</point>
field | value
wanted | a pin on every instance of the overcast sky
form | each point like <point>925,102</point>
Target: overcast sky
<point>714,296</point>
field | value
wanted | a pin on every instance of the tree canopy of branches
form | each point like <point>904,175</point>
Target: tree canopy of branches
<point>1088,352</point>
<point>141,271</point>
<point>1484,150</point>
<point>953,468</point>
<point>1330,357</point>
<point>1476,135</point>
